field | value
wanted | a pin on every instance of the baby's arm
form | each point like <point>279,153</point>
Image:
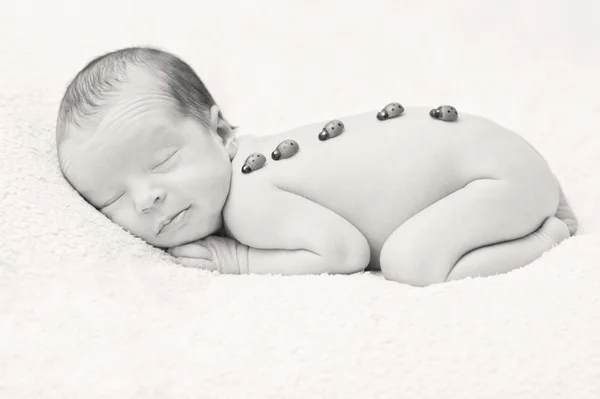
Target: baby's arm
<point>289,234</point>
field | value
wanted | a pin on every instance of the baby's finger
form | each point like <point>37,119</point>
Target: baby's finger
<point>191,251</point>
<point>196,263</point>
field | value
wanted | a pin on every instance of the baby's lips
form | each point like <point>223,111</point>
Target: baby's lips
<point>254,162</point>
<point>392,110</point>
<point>331,129</point>
<point>286,149</point>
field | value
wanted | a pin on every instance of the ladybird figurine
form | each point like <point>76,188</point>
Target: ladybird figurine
<point>392,110</point>
<point>254,162</point>
<point>285,149</point>
<point>444,113</point>
<point>331,129</point>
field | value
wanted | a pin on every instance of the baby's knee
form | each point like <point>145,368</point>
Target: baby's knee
<point>410,266</point>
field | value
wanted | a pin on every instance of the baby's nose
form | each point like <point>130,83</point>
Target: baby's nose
<point>331,129</point>
<point>145,201</point>
<point>254,162</point>
<point>286,149</point>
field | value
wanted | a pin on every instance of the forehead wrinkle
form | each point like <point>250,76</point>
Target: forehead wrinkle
<point>115,145</point>
<point>124,113</point>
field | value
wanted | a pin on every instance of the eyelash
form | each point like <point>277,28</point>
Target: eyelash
<point>111,202</point>
<point>170,157</point>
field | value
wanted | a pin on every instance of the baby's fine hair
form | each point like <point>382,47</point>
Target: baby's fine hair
<point>90,91</point>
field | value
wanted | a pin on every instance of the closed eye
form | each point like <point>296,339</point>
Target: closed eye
<point>111,201</point>
<point>166,160</point>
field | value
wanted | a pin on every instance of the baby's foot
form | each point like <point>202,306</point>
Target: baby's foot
<point>566,214</point>
<point>553,231</point>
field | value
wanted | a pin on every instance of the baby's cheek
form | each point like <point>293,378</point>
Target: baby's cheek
<point>207,188</point>
<point>126,219</point>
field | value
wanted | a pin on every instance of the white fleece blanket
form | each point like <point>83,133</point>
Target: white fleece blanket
<point>88,311</point>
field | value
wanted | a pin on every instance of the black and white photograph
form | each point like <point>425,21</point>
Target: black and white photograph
<point>299,199</point>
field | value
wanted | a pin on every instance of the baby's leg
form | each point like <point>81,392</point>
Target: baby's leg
<point>510,255</point>
<point>426,248</point>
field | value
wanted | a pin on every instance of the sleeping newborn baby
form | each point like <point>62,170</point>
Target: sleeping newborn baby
<point>420,196</point>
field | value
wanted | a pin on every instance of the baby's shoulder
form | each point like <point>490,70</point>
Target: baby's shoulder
<point>258,211</point>
<point>250,198</point>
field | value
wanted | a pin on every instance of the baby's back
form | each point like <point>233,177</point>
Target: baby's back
<point>378,174</point>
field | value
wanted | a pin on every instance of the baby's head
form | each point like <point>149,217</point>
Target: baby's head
<point>141,139</point>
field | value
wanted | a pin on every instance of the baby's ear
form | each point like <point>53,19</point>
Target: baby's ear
<point>214,117</point>
<point>231,145</point>
<point>217,119</point>
<point>223,130</point>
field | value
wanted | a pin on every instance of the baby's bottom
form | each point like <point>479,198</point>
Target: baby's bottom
<point>486,228</point>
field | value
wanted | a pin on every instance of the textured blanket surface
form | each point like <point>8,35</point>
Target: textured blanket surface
<point>89,311</point>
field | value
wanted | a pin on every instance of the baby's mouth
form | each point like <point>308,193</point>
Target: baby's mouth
<point>173,219</point>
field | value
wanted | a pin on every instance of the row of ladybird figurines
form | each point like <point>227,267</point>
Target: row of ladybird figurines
<point>289,148</point>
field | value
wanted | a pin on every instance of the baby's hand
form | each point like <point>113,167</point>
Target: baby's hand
<point>213,253</point>
<point>195,255</point>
